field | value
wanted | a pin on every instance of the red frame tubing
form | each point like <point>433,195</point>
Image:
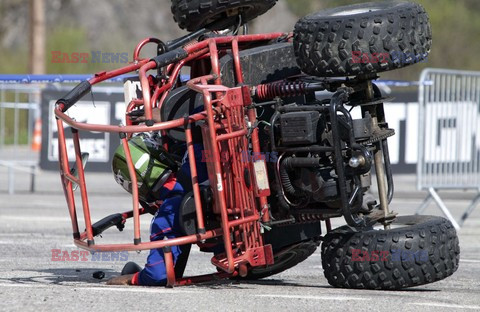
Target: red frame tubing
<point>140,45</point>
<point>194,175</point>
<point>169,266</point>
<point>218,183</point>
<point>227,130</point>
<point>83,188</point>
<point>66,182</point>
<point>135,200</point>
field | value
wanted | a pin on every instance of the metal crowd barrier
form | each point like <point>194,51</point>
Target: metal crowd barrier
<point>449,136</point>
<point>19,110</point>
<point>20,113</point>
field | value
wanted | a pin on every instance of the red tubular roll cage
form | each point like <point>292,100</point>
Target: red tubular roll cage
<point>240,210</point>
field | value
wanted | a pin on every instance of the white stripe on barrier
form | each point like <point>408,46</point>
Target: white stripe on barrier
<point>449,135</point>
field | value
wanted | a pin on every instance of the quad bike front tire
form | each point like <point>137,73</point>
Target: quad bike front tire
<point>428,246</point>
<point>364,38</point>
<point>193,15</point>
<point>283,260</point>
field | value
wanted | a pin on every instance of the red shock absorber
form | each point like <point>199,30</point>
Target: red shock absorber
<point>271,90</point>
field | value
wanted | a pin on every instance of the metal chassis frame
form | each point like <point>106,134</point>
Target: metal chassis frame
<point>233,221</point>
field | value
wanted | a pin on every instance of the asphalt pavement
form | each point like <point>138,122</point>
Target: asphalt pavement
<point>35,244</point>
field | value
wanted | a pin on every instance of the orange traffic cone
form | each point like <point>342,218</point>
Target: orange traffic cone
<point>37,136</point>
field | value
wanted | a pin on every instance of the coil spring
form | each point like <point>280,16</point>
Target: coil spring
<point>309,217</point>
<point>190,43</point>
<point>302,218</point>
<point>269,91</point>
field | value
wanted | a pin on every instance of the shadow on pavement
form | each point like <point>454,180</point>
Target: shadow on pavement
<point>61,276</point>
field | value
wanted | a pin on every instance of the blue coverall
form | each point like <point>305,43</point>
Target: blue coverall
<point>165,222</point>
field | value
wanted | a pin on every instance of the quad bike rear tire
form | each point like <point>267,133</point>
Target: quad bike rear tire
<point>195,14</point>
<point>433,236</point>
<point>390,34</point>
<point>283,260</point>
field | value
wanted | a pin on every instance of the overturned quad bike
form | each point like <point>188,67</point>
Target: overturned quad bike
<point>283,157</point>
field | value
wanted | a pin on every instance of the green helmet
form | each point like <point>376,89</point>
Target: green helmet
<point>152,163</point>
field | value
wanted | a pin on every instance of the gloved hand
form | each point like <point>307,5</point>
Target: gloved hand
<point>138,115</point>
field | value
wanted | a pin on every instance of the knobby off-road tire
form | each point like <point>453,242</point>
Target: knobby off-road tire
<point>284,260</point>
<point>195,14</point>
<point>433,240</point>
<point>397,32</point>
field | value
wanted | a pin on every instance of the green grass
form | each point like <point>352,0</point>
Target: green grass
<point>9,118</point>
<point>10,126</point>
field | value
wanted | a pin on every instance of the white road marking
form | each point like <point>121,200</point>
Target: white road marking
<point>346,298</point>
<point>469,260</point>
<point>32,235</point>
<point>61,220</point>
<point>16,243</point>
<point>158,290</point>
<point>161,290</point>
<point>36,218</point>
<point>22,285</point>
<point>446,305</point>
